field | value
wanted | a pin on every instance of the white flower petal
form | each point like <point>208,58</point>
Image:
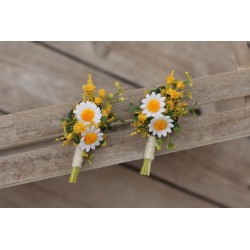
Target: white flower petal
<point>168,130</point>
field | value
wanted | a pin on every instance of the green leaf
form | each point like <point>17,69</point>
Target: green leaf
<point>111,115</point>
<point>171,145</point>
<point>76,138</point>
<point>104,119</point>
<point>71,114</point>
<point>103,143</point>
<point>158,90</point>
<point>132,107</point>
<point>69,128</point>
<point>170,113</point>
<point>158,143</point>
<point>177,128</point>
<point>135,117</point>
<point>141,127</point>
<point>109,128</point>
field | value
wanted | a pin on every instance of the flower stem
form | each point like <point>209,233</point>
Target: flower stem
<point>74,173</point>
<point>146,167</point>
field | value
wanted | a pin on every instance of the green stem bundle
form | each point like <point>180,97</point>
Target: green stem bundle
<point>74,173</point>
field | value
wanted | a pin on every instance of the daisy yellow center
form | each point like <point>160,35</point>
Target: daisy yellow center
<point>90,138</point>
<point>160,125</point>
<point>153,105</point>
<point>88,115</point>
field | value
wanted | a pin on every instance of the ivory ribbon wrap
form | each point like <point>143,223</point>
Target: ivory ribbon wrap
<point>150,149</point>
<point>77,158</point>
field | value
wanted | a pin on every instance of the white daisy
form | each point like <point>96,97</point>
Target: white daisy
<point>88,112</point>
<point>153,105</point>
<point>91,138</point>
<point>161,125</point>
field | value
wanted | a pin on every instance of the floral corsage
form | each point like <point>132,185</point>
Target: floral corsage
<point>87,123</point>
<point>158,116</point>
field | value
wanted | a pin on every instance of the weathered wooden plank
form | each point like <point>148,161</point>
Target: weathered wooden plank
<point>55,161</point>
<point>33,76</point>
<point>219,172</point>
<point>147,63</point>
<point>242,54</point>
<point>38,123</point>
<point>115,186</point>
<point>28,102</point>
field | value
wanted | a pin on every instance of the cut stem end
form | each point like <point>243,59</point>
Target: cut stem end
<point>74,173</point>
<point>146,167</point>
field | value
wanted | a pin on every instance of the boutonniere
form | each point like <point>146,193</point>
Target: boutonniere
<point>158,116</point>
<point>88,122</point>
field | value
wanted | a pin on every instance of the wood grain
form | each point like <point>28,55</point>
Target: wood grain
<point>242,54</point>
<point>46,121</point>
<point>55,160</point>
<point>33,76</point>
<point>220,172</point>
<point>147,63</point>
<point>200,67</point>
<point>115,186</point>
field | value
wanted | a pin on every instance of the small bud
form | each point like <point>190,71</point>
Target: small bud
<point>121,99</point>
<point>110,95</point>
<point>117,84</point>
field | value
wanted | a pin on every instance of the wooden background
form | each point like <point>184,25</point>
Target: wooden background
<point>38,74</point>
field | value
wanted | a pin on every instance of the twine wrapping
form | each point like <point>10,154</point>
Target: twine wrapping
<point>149,152</point>
<point>77,158</point>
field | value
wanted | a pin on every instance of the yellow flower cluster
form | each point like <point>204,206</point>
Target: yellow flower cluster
<point>89,87</point>
<point>102,93</point>
<point>174,93</point>
<point>79,127</point>
<point>142,118</point>
<point>89,90</point>
<point>67,138</point>
<point>139,123</point>
<point>170,79</point>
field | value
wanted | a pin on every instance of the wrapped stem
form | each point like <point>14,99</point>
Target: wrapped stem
<point>149,156</point>
<point>76,164</point>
